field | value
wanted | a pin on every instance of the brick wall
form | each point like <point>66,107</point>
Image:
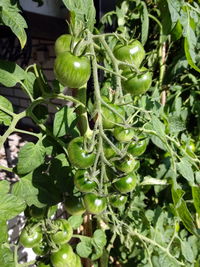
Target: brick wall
<point>43,55</point>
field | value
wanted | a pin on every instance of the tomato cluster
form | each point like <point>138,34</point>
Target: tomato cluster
<point>50,241</point>
<point>70,69</point>
<point>138,78</point>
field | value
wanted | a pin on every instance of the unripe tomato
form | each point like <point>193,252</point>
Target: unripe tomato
<point>132,53</point>
<point>41,248</point>
<point>63,43</point>
<point>78,156</point>
<point>83,182</point>
<point>78,262</point>
<point>137,84</point>
<point>118,201</point>
<point>72,71</point>
<point>30,237</point>
<point>64,231</point>
<point>42,264</point>
<point>126,183</point>
<point>94,204</point>
<point>123,134</point>
<point>127,164</point>
<point>138,147</point>
<point>64,257</point>
<point>74,206</point>
<point>110,118</point>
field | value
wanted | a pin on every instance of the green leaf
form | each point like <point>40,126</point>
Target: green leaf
<point>182,211</point>
<point>189,54</point>
<point>176,124</point>
<point>10,206</point>
<point>10,73</point>
<point>185,169</point>
<point>187,251</point>
<point>145,23</point>
<point>11,17</point>
<point>30,157</point>
<point>4,231</point>
<point>99,237</point>
<point>83,12</point>
<point>4,187</point>
<point>65,122</point>
<point>24,189</point>
<point>196,198</point>
<point>84,248</point>
<point>4,117</point>
<point>6,257</point>
<point>75,221</point>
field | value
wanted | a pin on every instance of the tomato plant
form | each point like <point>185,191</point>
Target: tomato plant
<point>112,178</point>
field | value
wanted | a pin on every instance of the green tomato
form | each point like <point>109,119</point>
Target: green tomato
<point>137,148</point>
<point>122,134</point>
<point>78,156</point>
<point>36,212</point>
<point>108,151</point>
<point>83,182</point>
<point>72,71</point>
<point>127,164</point>
<point>78,262</point>
<point>118,201</point>
<point>110,118</point>
<point>63,43</point>
<point>132,53</point>
<point>74,206</point>
<point>126,183</point>
<point>64,231</point>
<point>41,249</point>
<point>64,257</point>
<point>30,237</point>
<point>137,84</point>
<point>94,204</point>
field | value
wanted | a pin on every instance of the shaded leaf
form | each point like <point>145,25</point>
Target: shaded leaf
<point>30,157</point>
<point>4,117</point>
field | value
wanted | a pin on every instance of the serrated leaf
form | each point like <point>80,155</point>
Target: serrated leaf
<point>99,237</point>
<point>65,122</point>
<point>196,198</point>
<point>10,206</point>
<point>187,251</point>
<point>30,157</point>
<point>156,141</point>
<point>185,169</point>
<point>11,17</point>
<point>4,187</point>
<point>10,73</point>
<point>24,189</point>
<point>84,248</point>
<point>6,257</point>
<point>75,221</point>
<point>182,211</point>
<point>4,117</point>
<point>176,124</point>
